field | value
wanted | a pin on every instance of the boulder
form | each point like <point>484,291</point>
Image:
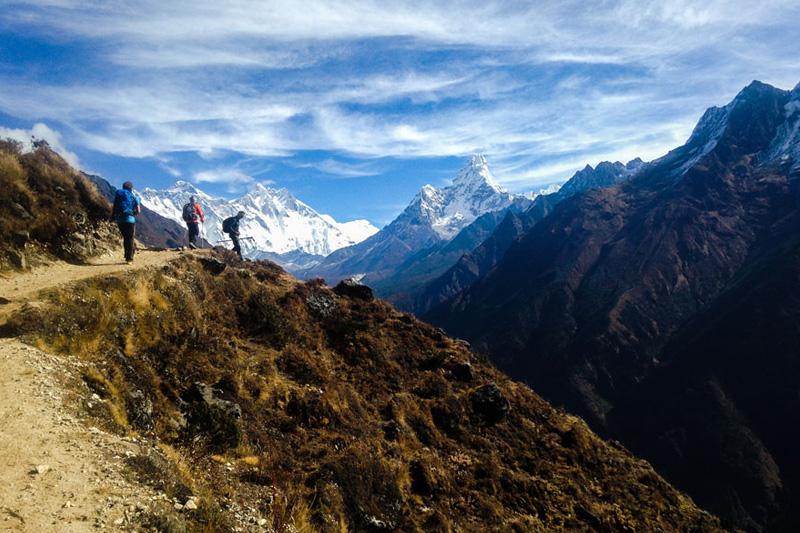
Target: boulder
<point>489,403</point>
<point>465,343</point>
<point>208,413</point>
<point>213,266</point>
<point>461,370</point>
<point>321,304</point>
<point>354,289</point>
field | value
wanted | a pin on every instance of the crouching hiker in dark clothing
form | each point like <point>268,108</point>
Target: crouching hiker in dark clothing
<point>231,226</point>
<point>126,206</point>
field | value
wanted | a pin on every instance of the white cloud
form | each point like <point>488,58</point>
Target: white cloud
<point>171,170</point>
<point>19,135</point>
<point>223,175</point>
<point>41,131</point>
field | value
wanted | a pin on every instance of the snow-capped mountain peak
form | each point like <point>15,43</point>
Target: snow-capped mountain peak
<point>428,196</point>
<point>605,174</point>
<point>550,189</point>
<point>278,222</point>
<point>449,209</point>
<point>755,100</point>
<point>733,125</point>
<point>476,174</point>
<point>184,187</point>
<point>356,230</point>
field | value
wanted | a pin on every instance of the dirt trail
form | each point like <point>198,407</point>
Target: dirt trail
<point>18,288</point>
<point>59,473</point>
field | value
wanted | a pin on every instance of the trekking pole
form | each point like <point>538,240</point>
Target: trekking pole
<point>240,238</point>
<point>206,234</point>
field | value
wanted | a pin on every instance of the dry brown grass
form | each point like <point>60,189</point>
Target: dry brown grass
<point>115,404</point>
<point>351,420</point>
<point>62,213</point>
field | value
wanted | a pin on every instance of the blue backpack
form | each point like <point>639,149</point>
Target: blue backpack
<point>126,203</point>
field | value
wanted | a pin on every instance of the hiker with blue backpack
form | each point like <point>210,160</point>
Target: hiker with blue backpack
<point>127,206</point>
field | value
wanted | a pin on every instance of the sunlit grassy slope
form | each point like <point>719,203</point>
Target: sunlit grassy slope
<point>353,416</point>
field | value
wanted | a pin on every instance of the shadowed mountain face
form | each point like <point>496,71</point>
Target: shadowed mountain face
<point>482,258</point>
<point>629,304</point>
<point>151,228</point>
<point>738,359</point>
<point>403,284</point>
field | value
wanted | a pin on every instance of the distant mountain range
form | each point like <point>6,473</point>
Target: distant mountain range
<point>152,229</point>
<point>426,254</point>
<point>664,309</point>
<point>429,236</point>
<point>280,224</point>
<point>423,242</point>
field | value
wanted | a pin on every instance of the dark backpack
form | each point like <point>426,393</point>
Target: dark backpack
<point>126,203</point>
<point>189,213</point>
<point>227,224</point>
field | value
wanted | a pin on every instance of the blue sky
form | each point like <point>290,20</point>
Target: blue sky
<point>354,105</point>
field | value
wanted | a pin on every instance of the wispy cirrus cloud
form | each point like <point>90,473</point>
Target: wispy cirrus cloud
<point>542,88</point>
<point>342,169</point>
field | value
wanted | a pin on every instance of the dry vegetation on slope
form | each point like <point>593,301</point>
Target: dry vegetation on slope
<point>47,210</point>
<point>297,404</point>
